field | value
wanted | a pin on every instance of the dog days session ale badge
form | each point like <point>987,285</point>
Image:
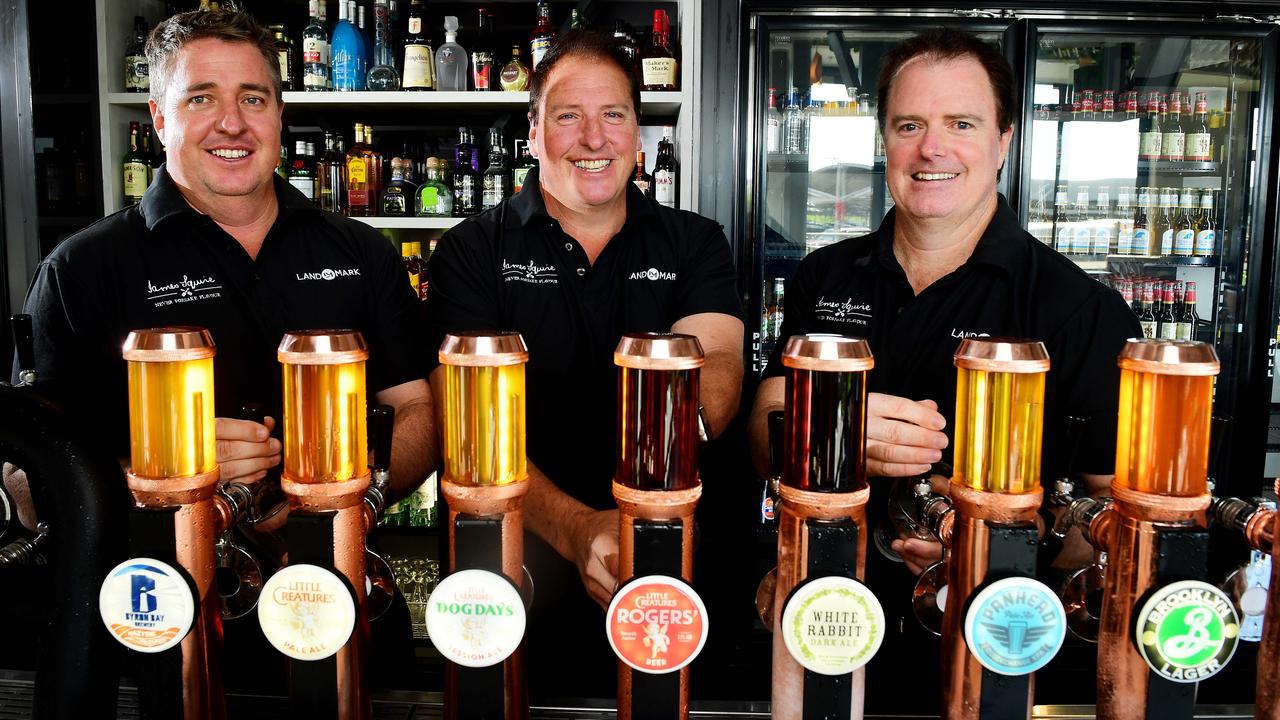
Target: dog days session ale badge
<point>832,625</point>
<point>147,605</point>
<point>476,618</point>
<point>306,612</point>
<point>656,624</point>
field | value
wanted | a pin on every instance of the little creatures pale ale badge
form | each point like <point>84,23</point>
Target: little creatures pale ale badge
<point>1187,631</point>
<point>656,624</point>
<point>306,612</point>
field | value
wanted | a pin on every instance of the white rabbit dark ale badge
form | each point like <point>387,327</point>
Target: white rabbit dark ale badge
<point>656,624</point>
<point>832,625</point>
<point>1187,631</point>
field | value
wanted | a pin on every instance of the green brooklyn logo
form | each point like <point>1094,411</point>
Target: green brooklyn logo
<point>1187,631</point>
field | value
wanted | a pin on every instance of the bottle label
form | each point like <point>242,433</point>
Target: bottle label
<point>1182,331</point>
<point>517,177</point>
<point>539,47</point>
<point>310,591</point>
<point>490,195</point>
<point>1102,241</point>
<point>656,624</point>
<point>832,625</point>
<point>1168,331</point>
<point>147,605</point>
<point>481,70</point>
<point>1141,241</point>
<point>415,282</point>
<point>659,71</point>
<point>415,25</point>
<point>1166,242</point>
<point>135,179</point>
<point>643,185</point>
<point>464,194</point>
<point>1149,147</point>
<point>137,74</point>
<point>315,50</point>
<point>1065,234</point>
<point>664,190</point>
<point>419,67</point>
<point>1206,242</point>
<point>1184,242</point>
<point>1124,242</point>
<point>434,202</point>
<point>305,185</point>
<point>393,202</point>
<point>514,77</point>
<point>1198,147</point>
<point>1174,146</point>
<point>1081,240</point>
<point>283,58</point>
<point>1148,328</point>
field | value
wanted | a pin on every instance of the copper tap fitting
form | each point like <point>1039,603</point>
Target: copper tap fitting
<point>1268,694</point>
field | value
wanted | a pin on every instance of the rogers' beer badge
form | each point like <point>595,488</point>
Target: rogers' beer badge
<point>1187,631</point>
<point>476,618</point>
<point>832,625</point>
<point>306,612</point>
<point>1015,626</point>
<point>656,624</point>
<point>147,605</point>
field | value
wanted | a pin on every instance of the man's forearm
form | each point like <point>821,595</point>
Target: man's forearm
<point>721,390</point>
<point>413,448</point>
<point>769,397</point>
<point>552,514</point>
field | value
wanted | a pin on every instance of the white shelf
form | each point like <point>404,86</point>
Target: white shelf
<point>663,102</point>
<point>410,223</point>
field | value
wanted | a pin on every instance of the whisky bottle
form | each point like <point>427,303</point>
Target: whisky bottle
<point>658,64</point>
<point>135,167</point>
<point>359,174</point>
<point>137,75</point>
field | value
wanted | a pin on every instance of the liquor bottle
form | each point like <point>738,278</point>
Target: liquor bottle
<point>451,59</point>
<point>1103,223</point>
<point>665,169</point>
<point>524,163</point>
<point>366,44</point>
<point>642,179</point>
<point>435,199</point>
<point>315,49</point>
<point>383,74</point>
<point>1063,230</point>
<point>137,75</point>
<point>329,182</point>
<point>398,197</point>
<point>625,45</point>
<point>1168,220</point>
<point>773,123</point>
<point>346,52</point>
<point>482,53</point>
<point>496,181</point>
<point>515,76</point>
<point>466,196</point>
<point>419,59</point>
<point>658,64</point>
<point>542,36</point>
<point>412,265</point>
<point>1147,317</point>
<point>1151,135</point>
<point>359,175</point>
<point>300,172</point>
<point>284,56</point>
<point>1082,237</point>
<point>1166,320</point>
<point>1199,146</point>
<point>422,262</point>
<point>1173,137</point>
<point>793,137</point>
<point>1124,221</point>
<point>153,164</point>
<point>135,167</point>
<point>1184,234</point>
<point>1142,231</point>
<point>1206,243</point>
<point>1189,320</point>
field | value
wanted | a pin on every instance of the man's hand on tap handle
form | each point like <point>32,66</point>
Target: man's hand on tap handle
<point>246,450</point>
<point>596,546</point>
<point>904,436</point>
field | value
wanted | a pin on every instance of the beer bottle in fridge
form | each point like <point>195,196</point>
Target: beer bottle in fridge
<point>1184,236</point>
<point>1172,136</point>
<point>1062,228</point>
<point>1167,221</point>
<point>1142,234</point>
<point>1150,142</point>
<point>1082,237</point>
<point>1199,146</point>
<point>1168,322</point>
<point>1147,316</point>
<point>1206,243</point>
<point>1104,223</point>
<point>1189,318</point>
<point>1124,218</point>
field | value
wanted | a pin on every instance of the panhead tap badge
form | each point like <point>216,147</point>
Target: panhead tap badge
<point>832,625</point>
<point>1187,631</point>
<point>476,618</point>
<point>1015,626</point>
<point>656,624</point>
<point>306,612</point>
<point>147,605</point>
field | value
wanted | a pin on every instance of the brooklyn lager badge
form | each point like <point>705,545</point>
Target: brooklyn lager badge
<point>476,618</point>
<point>306,612</point>
<point>1187,631</point>
<point>1015,626</point>
<point>832,625</point>
<point>147,605</point>
<point>656,624</point>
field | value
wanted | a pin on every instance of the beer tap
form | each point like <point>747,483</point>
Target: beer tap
<point>822,533</point>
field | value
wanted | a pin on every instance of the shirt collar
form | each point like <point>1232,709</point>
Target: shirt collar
<point>1003,244</point>
<point>164,200</point>
<point>527,206</point>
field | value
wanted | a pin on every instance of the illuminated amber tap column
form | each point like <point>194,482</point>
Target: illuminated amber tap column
<point>824,481</point>
<point>326,470</point>
<point>173,463</point>
<point>484,483</point>
<point>995,487</point>
<point>1160,488</point>
<point>656,486</point>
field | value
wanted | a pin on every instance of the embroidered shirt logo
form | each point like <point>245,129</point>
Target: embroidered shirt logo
<point>183,291</point>
<point>529,272</point>
<point>329,274</point>
<point>962,334</point>
<point>652,274</point>
<point>842,311</point>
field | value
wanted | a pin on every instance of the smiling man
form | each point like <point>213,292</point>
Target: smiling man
<point>573,262</point>
<point>220,241</point>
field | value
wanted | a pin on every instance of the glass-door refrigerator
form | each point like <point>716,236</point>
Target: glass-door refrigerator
<point>1146,158</point>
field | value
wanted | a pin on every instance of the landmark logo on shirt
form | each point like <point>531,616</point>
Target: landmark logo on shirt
<point>329,274</point>
<point>529,272</point>
<point>652,274</point>
<point>842,311</point>
<point>962,334</point>
<point>186,290</point>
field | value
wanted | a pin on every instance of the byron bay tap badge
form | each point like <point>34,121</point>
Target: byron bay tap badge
<point>147,605</point>
<point>1187,631</point>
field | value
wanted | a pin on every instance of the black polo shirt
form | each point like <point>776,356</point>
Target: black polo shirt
<point>1010,286</point>
<point>514,268</point>
<point>162,263</point>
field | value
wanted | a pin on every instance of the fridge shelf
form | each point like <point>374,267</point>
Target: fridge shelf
<point>1172,261</point>
<point>799,162</point>
<point>1178,166</point>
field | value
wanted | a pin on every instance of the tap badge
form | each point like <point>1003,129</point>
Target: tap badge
<point>147,605</point>
<point>1187,631</point>
<point>306,612</point>
<point>656,624</point>
<point>476,618</point>
<point>1015,626</point>
<point>832,625</point>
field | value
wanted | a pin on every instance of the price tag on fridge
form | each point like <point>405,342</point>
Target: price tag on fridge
<point>1015,626</point>
<point>476,618</point>
<point>656,624</point>
<point>832,625</point>
<point>1187,631</point>
<point>147,605</point>
<point>306,612</point>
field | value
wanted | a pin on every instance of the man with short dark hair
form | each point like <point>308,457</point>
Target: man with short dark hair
<point>574,261</point>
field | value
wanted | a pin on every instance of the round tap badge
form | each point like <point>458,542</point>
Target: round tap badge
<point>1015,626</point>
<point>832,625</point>
<point>476,618</point>
<point>306,612</point>
<point>1187,631</point>
<point>656,624</point>
<point>147,605</point>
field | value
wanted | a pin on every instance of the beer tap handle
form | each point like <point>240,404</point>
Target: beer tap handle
<point>264,498</point>
<point>382,421</point>
<point>24,344</point>
<point>776,424</point>
<point>1219,428</point>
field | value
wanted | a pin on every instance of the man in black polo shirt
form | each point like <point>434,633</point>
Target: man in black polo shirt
<point>220,241</point>
<point>574,261</point>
